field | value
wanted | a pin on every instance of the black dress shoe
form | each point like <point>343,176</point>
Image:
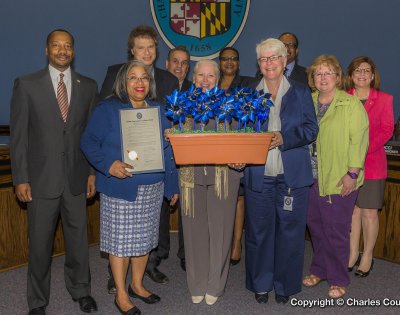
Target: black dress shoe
<point>281,299</point>
<point>363,274</point>
<point>183,264</point>
<point>350,269</point>
<point>133,311</point>
<point>261,298</point>
<point>38,311</point>
<point>156,275</point>
<point>151,299</point>
<point>111,286</point>
<point>87,304</point>
<point>234,262</point>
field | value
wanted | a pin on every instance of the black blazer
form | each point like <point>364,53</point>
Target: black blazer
<point>165,82</point>
<point>239,80</point>
<point>44,149</point>
<point>186,84</point>
<point>299,74</point>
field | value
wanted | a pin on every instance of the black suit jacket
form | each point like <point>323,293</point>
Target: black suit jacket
<point>165,82</point>
<point>44,149</point>
<point>186,84</point>
<point>299,74</point>
<point>239,80</point>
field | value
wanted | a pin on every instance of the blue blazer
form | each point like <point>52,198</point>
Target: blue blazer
<point>101,144</point>
<point>299,129</point>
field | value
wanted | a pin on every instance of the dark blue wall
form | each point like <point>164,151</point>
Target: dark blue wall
<point>345,28</point>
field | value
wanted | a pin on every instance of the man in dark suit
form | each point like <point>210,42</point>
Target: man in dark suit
<point>142,45</point>
<point>177,63</point>
<point>293,71</point>
<point>49,110</point>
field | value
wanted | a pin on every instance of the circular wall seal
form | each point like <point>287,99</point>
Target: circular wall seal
<point>203,26</point>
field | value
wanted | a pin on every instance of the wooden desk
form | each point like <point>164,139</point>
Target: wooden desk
<point>388,243</point>
<point>14,233</point>
<point>14,225</point>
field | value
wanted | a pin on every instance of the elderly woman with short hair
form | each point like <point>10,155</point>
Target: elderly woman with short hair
<point>208,202</point>
<point>337,162</point>
<point>129,204</point>
<point>276,194</point>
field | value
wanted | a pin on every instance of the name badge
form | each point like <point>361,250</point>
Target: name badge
<point>288,203</point>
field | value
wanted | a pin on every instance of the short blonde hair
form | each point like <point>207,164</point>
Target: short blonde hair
<point>331,62</point>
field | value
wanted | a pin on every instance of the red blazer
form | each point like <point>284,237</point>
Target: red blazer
<point>379,107</point>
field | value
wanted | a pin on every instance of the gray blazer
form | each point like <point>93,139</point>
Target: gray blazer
<point>43,149</point>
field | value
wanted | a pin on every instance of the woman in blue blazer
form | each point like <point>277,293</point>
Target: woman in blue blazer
<point>276,193</point>
<point>129,204</point>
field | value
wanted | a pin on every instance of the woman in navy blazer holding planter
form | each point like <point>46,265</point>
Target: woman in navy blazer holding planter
<point>129,204</point>
<point>276,194</point>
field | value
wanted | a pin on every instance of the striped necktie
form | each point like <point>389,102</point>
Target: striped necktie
<point>62,97</point>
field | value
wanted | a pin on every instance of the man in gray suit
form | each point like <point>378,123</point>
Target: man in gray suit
<point>49,111</point>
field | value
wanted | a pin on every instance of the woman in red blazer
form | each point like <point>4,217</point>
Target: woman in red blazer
<point>362,80</point>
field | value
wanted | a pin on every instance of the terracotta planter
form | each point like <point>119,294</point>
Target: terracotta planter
<point>220,148</point>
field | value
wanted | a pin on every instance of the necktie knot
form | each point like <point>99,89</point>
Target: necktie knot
<point>62,97</point>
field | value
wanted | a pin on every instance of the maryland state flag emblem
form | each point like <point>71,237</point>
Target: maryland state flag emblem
<point>200,18</point>
<point>203,26</point>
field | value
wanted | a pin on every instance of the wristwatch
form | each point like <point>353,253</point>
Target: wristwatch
<point>352,175</point>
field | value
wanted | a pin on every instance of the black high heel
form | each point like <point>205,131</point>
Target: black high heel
<point>357,263</point>
<point>234,262</point>
<point>363,274</point>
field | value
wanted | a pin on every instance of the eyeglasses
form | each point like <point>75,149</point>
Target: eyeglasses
<point>231,58</point>
<point>137,79</point>
<point>271,59</point>
<point>290,45</point>
<point>180,63</point>
<point>320,75</point>
<point>362,71</point>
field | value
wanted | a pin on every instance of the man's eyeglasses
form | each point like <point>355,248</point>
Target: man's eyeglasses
<point>271,59</point>
<point>180,63</point>
<point>231,58</point>
<point>290,45</point>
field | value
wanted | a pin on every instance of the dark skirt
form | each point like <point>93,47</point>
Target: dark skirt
<point>370,195</point>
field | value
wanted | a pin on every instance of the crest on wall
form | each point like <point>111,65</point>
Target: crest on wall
<point>203,26</point>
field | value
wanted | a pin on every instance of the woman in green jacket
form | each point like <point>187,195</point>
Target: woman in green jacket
<point>337,161</point>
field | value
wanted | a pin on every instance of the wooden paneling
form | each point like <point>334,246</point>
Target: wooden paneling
<point>14,231</point>
<point>388,242</point>
<point>14,222</point>
<point>173,219</point>
<point>5,167</point>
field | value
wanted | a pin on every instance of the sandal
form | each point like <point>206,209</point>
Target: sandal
<point>311,281</point>
<point>336,292</point>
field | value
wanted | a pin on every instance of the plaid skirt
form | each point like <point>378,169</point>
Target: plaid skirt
<point>131,228</point>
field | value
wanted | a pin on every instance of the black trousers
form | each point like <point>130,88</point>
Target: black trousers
<point>162,250</point>
<point>43,216</point>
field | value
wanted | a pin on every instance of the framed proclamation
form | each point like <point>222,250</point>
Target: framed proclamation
<point>141,136</point>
